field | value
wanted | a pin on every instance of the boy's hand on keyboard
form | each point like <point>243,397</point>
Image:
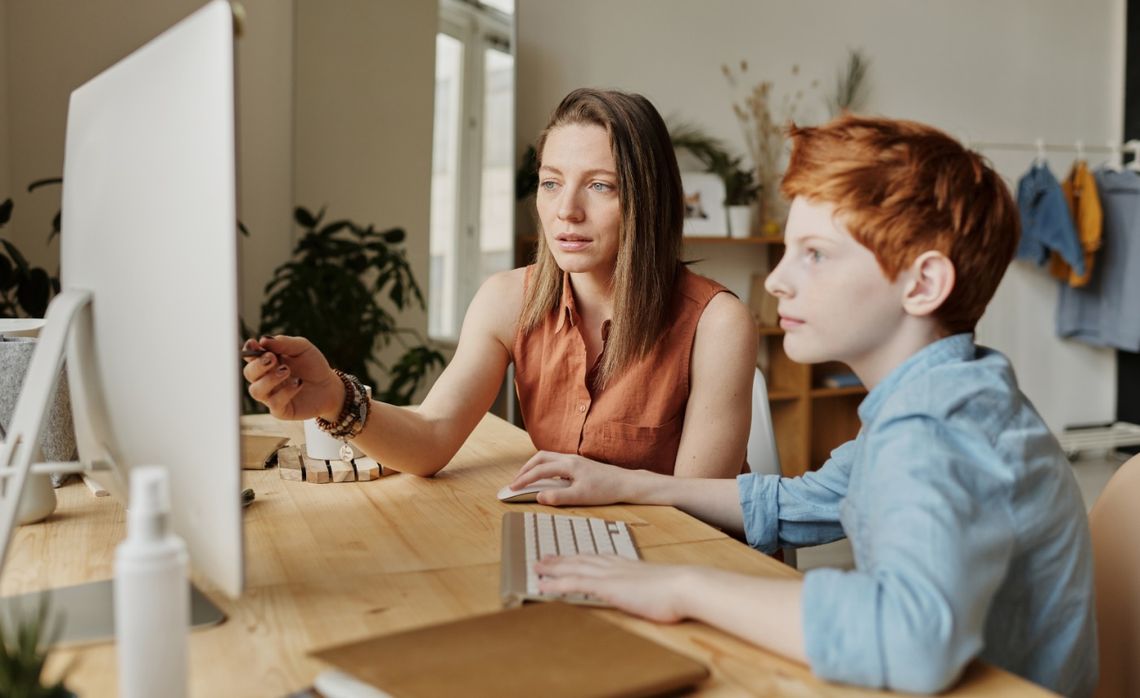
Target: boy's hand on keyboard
<point>591,482</point>
<point>643,589</point>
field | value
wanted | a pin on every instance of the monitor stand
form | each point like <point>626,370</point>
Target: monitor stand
<point>87,609</point>
<point>86,612</point>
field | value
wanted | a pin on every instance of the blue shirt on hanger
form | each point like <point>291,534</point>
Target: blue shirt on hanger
<point>1046,222</point>
<point>969,533</point>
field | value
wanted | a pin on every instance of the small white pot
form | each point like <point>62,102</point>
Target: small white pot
<point>739,221</point>
<point>38,500</point>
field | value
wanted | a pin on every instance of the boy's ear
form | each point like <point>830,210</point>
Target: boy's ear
<point>932,279</point>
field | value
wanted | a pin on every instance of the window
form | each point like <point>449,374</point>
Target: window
<point>472,194</point>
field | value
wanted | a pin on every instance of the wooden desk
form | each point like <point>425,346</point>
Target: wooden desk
<point>333,563</point>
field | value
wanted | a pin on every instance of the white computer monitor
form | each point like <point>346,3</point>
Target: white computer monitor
<point>149,272</point>
<point>150,230</point>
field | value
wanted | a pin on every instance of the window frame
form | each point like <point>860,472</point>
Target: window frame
<point>478,28</point>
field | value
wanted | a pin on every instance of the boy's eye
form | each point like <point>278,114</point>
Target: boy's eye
<point>814,255</point>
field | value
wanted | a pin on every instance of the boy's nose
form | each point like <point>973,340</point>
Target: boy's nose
<point>776,285</point>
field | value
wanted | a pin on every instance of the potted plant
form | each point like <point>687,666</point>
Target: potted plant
<point>25,290</point>
<point>330,291</point>
<point>23,654</point>
<point>740,187</point>
<point>740,191</point>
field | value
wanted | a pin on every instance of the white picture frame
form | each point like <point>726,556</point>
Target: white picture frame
<point>704,205</point>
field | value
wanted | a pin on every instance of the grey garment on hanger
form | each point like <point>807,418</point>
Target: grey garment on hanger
<point>1106,311</point>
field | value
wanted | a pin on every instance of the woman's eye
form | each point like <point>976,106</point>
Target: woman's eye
<point>601,186</point>
<point>548,185</point>
<point>814,255</point>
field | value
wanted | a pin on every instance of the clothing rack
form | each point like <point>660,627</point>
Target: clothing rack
<point>1075,146</point>
<point>1114,150</point>
<point>1119,434</point>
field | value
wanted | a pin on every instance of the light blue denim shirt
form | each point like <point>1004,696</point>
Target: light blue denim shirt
<point>1046,220</point>
<point>969,534</point>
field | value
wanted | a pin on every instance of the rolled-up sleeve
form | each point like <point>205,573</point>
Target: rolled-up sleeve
<point>938,536</point>
<point>796,511</point>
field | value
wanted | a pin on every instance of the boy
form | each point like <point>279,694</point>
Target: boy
<point>969,533</point>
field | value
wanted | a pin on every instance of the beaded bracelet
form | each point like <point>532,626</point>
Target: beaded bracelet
<point>353,415</point>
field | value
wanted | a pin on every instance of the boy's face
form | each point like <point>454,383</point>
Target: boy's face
<point>835,302</point>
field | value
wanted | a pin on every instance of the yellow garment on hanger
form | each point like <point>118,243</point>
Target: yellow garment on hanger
<point>1080,193</point>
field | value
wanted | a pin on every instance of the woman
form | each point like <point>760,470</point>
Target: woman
<point>621,354</point>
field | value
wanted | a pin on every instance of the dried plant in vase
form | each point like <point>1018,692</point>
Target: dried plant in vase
<point>851,88</point>
<point>762,123</point>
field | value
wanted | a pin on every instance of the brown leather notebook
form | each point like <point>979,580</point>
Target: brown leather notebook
<point>549,649</point>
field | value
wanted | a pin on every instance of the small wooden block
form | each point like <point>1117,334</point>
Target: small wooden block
<point>258,449</point>
<point>262,424</point>
<point>341,471</point>
<point>316,470</point>
<point>289,463</point>
<point>366,469</point>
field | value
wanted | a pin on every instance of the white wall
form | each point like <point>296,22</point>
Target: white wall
<point>363,98</point>
<point>265,146</point>
<point>990,71</point>
<point>334,107</point>
<point>5,190</point>
<point>53,46</point>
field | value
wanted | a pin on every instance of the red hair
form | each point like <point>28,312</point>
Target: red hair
<point>903,188</point>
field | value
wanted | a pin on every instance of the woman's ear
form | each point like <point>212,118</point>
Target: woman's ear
<point>932,279</point>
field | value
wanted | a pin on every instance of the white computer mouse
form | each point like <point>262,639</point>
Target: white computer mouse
<point>530,492</point>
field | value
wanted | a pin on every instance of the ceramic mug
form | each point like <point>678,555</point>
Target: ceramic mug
<point>321,446</point>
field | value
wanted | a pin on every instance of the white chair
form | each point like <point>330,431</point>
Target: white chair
<point>763,457</point>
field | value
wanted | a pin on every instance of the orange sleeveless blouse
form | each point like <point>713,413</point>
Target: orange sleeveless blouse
<point>635,421</point>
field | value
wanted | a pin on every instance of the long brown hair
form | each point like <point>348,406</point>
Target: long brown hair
<point>649,235</point>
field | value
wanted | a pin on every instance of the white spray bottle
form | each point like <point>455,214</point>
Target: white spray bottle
<point>152,594</point>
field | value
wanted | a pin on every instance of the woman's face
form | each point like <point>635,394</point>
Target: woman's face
<point>578,201</point>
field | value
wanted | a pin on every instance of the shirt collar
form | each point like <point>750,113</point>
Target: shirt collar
<point>567,311</point>
<point>959,347</point>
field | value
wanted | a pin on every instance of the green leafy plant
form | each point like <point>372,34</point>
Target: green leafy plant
<point>25,290</point>
<point>740,187</point>
<point>23,654</point>
<point>330,291</point>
